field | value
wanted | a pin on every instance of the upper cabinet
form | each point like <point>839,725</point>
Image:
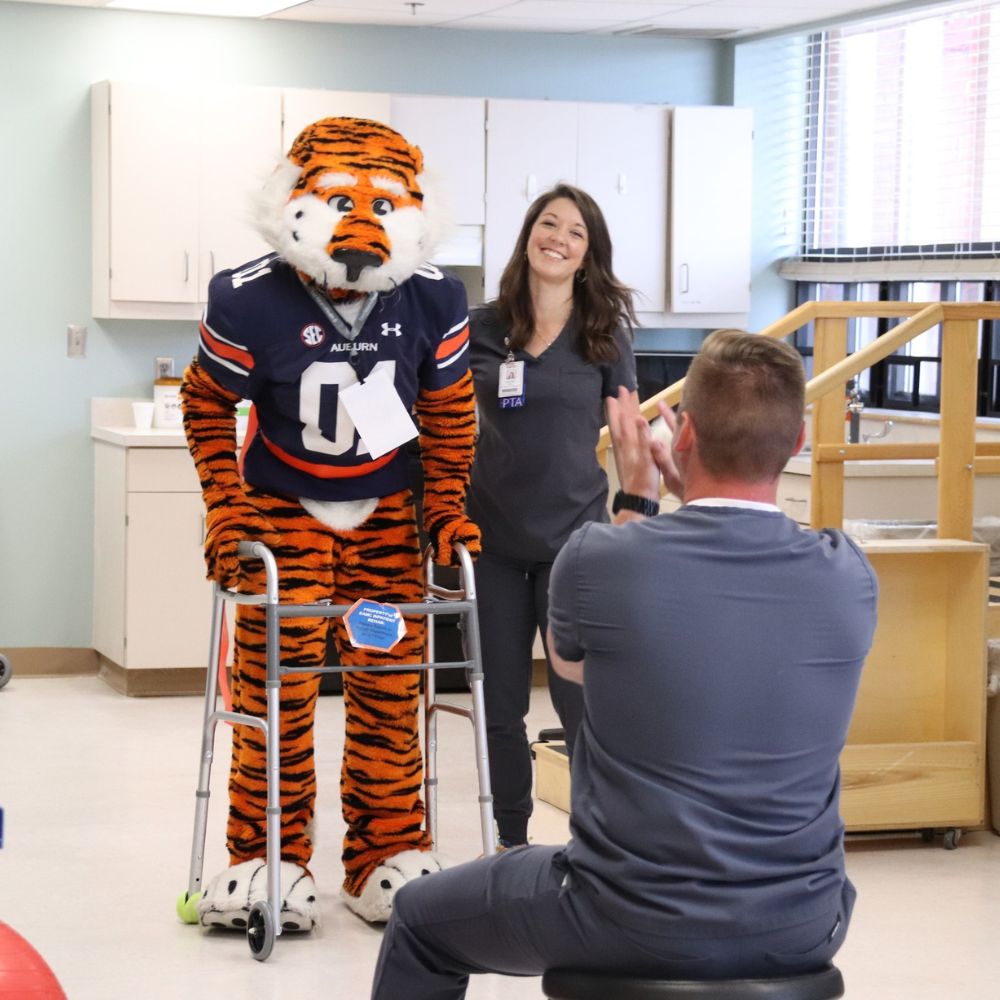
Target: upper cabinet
<point>710,177</point>
<point>173,172</point>
<point>451,133</point>
<point>617,153</point>
<point>530,145</point>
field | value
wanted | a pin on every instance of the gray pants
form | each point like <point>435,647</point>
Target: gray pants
<point>512,914</point>
<point>513,600</point>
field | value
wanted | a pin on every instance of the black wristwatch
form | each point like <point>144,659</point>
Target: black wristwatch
<point>629,501</point>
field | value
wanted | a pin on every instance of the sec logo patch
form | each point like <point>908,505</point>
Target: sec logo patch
<point>312,335</point>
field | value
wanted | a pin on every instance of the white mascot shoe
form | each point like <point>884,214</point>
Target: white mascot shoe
<point>375,902</point>
<point>227,900</point>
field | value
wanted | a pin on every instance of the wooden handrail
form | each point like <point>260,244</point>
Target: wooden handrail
<point>958,457</point>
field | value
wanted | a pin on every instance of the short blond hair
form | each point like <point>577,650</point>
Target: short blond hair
<point>746,394</point>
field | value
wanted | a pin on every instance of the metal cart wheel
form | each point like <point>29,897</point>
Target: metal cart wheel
<point>951,838</point>
<point>260,930</point>
<point>5,670</point>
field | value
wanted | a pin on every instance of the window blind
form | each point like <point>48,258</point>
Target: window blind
<point>901,139</point>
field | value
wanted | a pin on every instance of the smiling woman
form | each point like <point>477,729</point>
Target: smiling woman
<point>544,356</point>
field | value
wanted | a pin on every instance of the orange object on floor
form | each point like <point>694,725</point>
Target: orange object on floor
<point>23,972</point>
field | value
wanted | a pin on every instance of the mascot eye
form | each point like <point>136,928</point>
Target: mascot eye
<point>382,206</point>
<point>341,203</point>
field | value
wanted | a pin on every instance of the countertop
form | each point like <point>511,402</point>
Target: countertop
<point>111,421</point>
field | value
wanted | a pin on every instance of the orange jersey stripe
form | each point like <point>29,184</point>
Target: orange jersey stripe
<point>452,344</point>
<point>328,471</point>
<point>225,350</point>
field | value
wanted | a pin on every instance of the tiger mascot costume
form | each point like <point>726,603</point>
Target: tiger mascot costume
<point>347,298</point>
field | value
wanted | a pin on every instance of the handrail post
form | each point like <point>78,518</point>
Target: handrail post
<point>957,456</point>
<point>827,479</point>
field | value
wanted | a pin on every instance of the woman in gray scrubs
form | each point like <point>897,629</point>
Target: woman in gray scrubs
<point>545,354</point>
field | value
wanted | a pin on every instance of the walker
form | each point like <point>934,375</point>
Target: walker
<point>264,923</point>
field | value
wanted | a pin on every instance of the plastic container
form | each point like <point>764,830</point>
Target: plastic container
<point>167,404</point>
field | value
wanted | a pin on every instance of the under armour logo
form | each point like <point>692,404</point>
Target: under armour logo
<point>396,328</point>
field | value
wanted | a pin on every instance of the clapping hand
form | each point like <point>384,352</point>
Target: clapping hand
<point>642,459</point>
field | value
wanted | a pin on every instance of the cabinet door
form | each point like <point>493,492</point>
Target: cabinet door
<point>451,132</point>
<point>303,107</point>
<point>168,600</point>
<point>153,167</point>
<point>622,165</point>
<point>530,145</point>
<point>240,145</point>
<point>710,218</point>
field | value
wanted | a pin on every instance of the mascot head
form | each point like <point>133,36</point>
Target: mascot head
<point>348,207</point>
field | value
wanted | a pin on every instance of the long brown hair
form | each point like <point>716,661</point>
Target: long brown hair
<point>601,303</point>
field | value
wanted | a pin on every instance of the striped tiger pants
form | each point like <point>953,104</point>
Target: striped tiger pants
<point>382,768</point>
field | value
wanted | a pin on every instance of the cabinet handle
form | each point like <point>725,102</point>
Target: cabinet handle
<point>685,282</point>
<point>623,183</point>
<point>202,530</point>
<point>531,187</point>
<point>211,262</point>
<point>187,266</point>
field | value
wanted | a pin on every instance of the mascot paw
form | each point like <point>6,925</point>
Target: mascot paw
<point>374,903</point>
<point>227,900</point>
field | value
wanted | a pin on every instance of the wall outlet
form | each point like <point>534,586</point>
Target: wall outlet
<point>164,367</point>
<point>76,341</point>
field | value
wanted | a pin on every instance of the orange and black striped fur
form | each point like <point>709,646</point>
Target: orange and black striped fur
<point>349,185</point>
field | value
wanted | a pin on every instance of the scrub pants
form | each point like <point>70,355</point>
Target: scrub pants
<point>518,913</point>
<point>513,600</point>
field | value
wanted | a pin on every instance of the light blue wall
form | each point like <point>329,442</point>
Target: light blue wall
<point>49,56</point>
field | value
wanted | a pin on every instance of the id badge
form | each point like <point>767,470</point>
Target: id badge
<point>510,390</point>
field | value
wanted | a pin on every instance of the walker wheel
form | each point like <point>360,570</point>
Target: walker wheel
<point>260,931</point>
<point>5,670</point>
<point>187,907</point>
<point>951,838</point>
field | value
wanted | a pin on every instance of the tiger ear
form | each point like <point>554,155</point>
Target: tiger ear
<point>438,224</point>
<point>418,159</point>
<point>270,199</point>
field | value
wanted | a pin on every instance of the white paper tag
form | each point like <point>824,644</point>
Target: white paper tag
<point>378,413</point>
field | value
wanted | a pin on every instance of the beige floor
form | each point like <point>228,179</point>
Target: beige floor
<point>98,794</point>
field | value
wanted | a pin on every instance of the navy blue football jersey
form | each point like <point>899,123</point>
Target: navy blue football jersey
<point>265,338</point>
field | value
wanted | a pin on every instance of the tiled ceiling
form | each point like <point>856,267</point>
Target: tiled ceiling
<point>691,19</point>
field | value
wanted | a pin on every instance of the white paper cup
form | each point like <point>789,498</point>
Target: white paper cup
<point>142,415</point>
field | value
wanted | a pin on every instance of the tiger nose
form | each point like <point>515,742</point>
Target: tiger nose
<point>356,261</point>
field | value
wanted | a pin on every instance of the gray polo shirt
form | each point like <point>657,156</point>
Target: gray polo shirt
<point>722,651</point>
<point>536,476</point>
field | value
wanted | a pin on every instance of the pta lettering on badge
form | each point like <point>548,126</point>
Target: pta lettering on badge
<point>371,625</point>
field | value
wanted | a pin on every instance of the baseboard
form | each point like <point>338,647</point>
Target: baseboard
<point>50,661</point>
<point>152,683</point>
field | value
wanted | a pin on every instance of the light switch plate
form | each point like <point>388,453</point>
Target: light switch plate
<point>164,367</point>
<point>76,341</point>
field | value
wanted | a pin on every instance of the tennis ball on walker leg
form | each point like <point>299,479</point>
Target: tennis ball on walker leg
<point>187,907</point>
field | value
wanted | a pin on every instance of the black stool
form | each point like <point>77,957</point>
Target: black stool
<point>569,984</point>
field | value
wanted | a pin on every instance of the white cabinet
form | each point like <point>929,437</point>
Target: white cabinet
<point>152,603</point>
<point>173,170</point>
<point>616,153</point>
<point>530,146</point>
<point>621,163</point>
<point>451,133</point>
<point>710,184</point>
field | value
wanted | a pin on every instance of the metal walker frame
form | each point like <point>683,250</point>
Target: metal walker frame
<point>264,923</point>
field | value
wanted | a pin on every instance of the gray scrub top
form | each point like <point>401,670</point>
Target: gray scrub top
<point>536,476</point>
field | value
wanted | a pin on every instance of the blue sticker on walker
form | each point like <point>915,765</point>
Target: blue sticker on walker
<point>371,625</point>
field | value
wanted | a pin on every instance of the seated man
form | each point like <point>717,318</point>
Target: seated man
<point>719,648</point>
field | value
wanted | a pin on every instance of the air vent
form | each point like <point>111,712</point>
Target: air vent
<point>651,31</point>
